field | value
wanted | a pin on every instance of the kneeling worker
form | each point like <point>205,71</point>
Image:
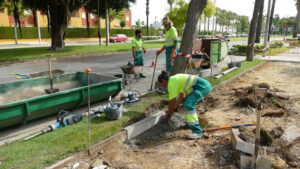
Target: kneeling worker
<point>188,89</point>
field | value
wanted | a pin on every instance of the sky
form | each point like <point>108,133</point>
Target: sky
<point>158,8</point>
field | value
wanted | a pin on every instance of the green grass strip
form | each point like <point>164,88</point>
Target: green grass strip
<point>41,52</point>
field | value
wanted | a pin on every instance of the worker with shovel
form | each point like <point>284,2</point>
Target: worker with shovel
<point>171,40</point>
<point>137,50</point>
<point>189,90</point>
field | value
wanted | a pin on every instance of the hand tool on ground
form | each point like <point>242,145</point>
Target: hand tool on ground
<point>88,71</point>
<point>227,127</point>
<point>51,90</point>
<point>20,76</point>
<point>64,118</point>
<point>131,97</point>
<point>154,68</point>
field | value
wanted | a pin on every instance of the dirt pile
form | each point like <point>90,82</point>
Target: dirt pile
<point>273,103</point>
<point>155,107</point>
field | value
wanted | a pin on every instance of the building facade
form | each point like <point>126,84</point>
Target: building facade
<point>78,19</point>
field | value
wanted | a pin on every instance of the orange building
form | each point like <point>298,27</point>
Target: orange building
<point>78,19</point>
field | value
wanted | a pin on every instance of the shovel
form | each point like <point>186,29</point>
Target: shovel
<point>154,68</point>
<point>51,90</point>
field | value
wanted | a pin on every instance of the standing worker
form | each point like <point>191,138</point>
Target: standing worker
<point>137,50</point>
<point>171,40</point>
<point>188,89</point>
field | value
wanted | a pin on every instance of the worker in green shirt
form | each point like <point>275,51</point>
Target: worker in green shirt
<point>171,40</point>
<point>189,90</point>
<point>137,50</point>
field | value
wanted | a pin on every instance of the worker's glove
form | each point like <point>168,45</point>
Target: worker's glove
<point>166,117</point>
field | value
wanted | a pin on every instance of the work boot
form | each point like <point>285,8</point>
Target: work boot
<point>142,76</point>
<point>193,136</point>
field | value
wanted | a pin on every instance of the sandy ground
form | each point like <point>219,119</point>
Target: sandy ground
<point>163,148</point>
<point>23,93</point>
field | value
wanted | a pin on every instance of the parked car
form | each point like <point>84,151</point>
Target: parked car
<point>219,36</point>
<point>118,38</point>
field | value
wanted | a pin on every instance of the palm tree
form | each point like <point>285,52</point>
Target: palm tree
<point>250,48</point>
<point>171,2</point>
<point>194,11</point>
<point>259,22</point>
<point>297,19</point>
<point>271,19</point>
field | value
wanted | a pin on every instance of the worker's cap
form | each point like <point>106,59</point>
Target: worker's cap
<point>166,20</point>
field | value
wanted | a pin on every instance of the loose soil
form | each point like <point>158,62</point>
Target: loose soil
<point>22,93</point>
<point>166,147</point>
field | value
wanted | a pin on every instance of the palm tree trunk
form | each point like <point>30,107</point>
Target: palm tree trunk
<point>250,48</point>
<point>195,9</point>
<point>271,19</point>
<point>297,21</point>
<point>259,22</point>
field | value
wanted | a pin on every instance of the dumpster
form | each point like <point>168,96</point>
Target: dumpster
<point>216,49</point>
<point>26,100</point>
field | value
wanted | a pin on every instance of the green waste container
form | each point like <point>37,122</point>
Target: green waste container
<point>216,49</point>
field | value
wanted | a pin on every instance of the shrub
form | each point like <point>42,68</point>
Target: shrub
<point>276,44</point>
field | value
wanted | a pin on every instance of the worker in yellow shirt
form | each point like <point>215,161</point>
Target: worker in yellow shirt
<point>189,90</point>
<point>137,50</point>
<point>171,40</point>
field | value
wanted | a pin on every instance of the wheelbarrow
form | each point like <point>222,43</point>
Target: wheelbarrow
<point>128,71</point>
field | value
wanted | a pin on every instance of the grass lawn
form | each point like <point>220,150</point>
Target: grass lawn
<point>41,52</point>
<point>49,148</point>
<point>235,39</point>
<point>245,66</point>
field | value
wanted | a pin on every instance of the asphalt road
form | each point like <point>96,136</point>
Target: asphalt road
<point>105,64</point>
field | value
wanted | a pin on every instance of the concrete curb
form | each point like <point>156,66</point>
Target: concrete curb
<point>221,85</point>
<point>143,125</point>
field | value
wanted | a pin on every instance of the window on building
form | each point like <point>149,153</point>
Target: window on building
<point>83,15</point>
<point>92,16</point>
<point>2,10</point>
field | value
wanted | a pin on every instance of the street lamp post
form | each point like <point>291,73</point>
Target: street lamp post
<point>155,25</point>
<point>147,14</point>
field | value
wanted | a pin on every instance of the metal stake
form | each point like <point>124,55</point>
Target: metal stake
<point>88,71</point>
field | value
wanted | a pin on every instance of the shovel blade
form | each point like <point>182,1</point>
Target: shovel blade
<point>50,91</point>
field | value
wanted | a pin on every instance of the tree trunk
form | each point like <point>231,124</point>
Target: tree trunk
<point>107,23</point>
<point>204,30</point>
<point>195,9</point>
<point>259,22</point>
<point>271,19</point>
<point>87,22</point>
<point>61,13</point>
<point>297,21</point>
<point>208,25</point>
<point>99,23</point>
<point>250,48</point>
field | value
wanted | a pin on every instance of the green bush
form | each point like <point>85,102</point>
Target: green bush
<point>276,44</point>
<point>32,32</point>
<point>239,49</point>
<point>242,49</point>
<point>259,47</point>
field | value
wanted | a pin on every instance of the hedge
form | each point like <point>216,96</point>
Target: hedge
<point>32,32</point>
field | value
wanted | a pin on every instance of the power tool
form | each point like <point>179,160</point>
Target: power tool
<point>64,118</point>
